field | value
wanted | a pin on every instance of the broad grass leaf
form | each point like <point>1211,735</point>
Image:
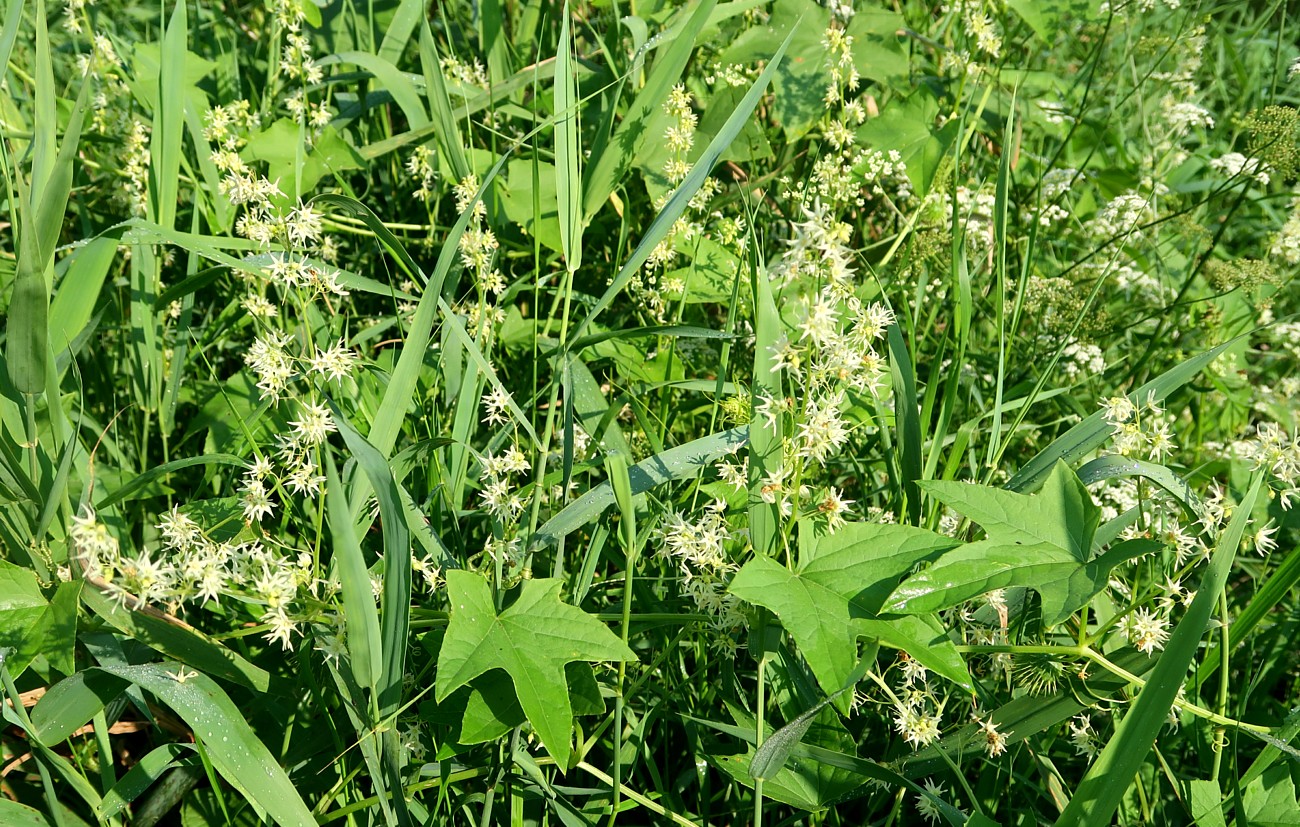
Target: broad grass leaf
<point>396,617</point>
<point>78,291</point>
<point>139,484</point>
<point>185,644</point>
<point>169,120</point>
<point>13,22</point>
<point>568,169</point>
<point>361,616</point>
<point>71,703</point>
<point>1093,432</point>
<point>673,464</point>
<point>142,776</point>
<point>26,324</point>
<point>444,122</point>
<point>1100,791</point>
<point>222,728</point>
<point>835,595</point>
<point>907,420</point>
<point>532,640</point>
<point>14,814</point>
<point>400,28</point>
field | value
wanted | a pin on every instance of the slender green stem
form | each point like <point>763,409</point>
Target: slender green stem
<point>760,707</point>
<point>1088,653</point>
<point>561,353</point>
<point>633,795</point>
<point>1221,703</point>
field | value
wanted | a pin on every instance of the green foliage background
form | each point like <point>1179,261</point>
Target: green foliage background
<point>709,413</point>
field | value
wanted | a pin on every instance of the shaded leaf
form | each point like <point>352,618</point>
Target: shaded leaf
<point>532,640</point>
<point>493,709</point>
<point>1041,542</point>
<point>1271,800</point>
<point>836,592</point>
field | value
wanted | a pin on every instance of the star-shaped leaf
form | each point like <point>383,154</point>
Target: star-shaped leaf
<point>835,596</point>
<point>1062,514</point>
<point>1041,542</point>
<point>531,641</point>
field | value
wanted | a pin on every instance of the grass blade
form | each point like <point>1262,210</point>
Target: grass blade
<point>446,129</point>
<point>907,422</point>
<point>678,463</point>
<point>398,84</point>
<point>75,299</point>
<point>472,350</point>
<point>360,615</point>
<point>140,481</point>
<point>169,121</point>
<point>409,13</point>
<point>765,451</point>
<point>685,191</point>
<point>143,776</point>
<point>219,725</point>
<point>396,616</point>
<point>183,643</point>
<point>13,22</point>
<point>1093,432</point>
<point>568,171</point>
<point>1103,787</point>
<point>402,385</point>
<point>611,160</point>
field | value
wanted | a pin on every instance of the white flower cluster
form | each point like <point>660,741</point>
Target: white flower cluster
<point>1080,359</point>
<point>277,367</point>
<point>190,567</point>
<point>1121,216</point>
<point>1183,116</point>
<point>1286,242</point>
<point>1277,452</point>
<point>1143,431</point>
<point>1233,164</point>
<point>499,496</point>
<point>699,550</point>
